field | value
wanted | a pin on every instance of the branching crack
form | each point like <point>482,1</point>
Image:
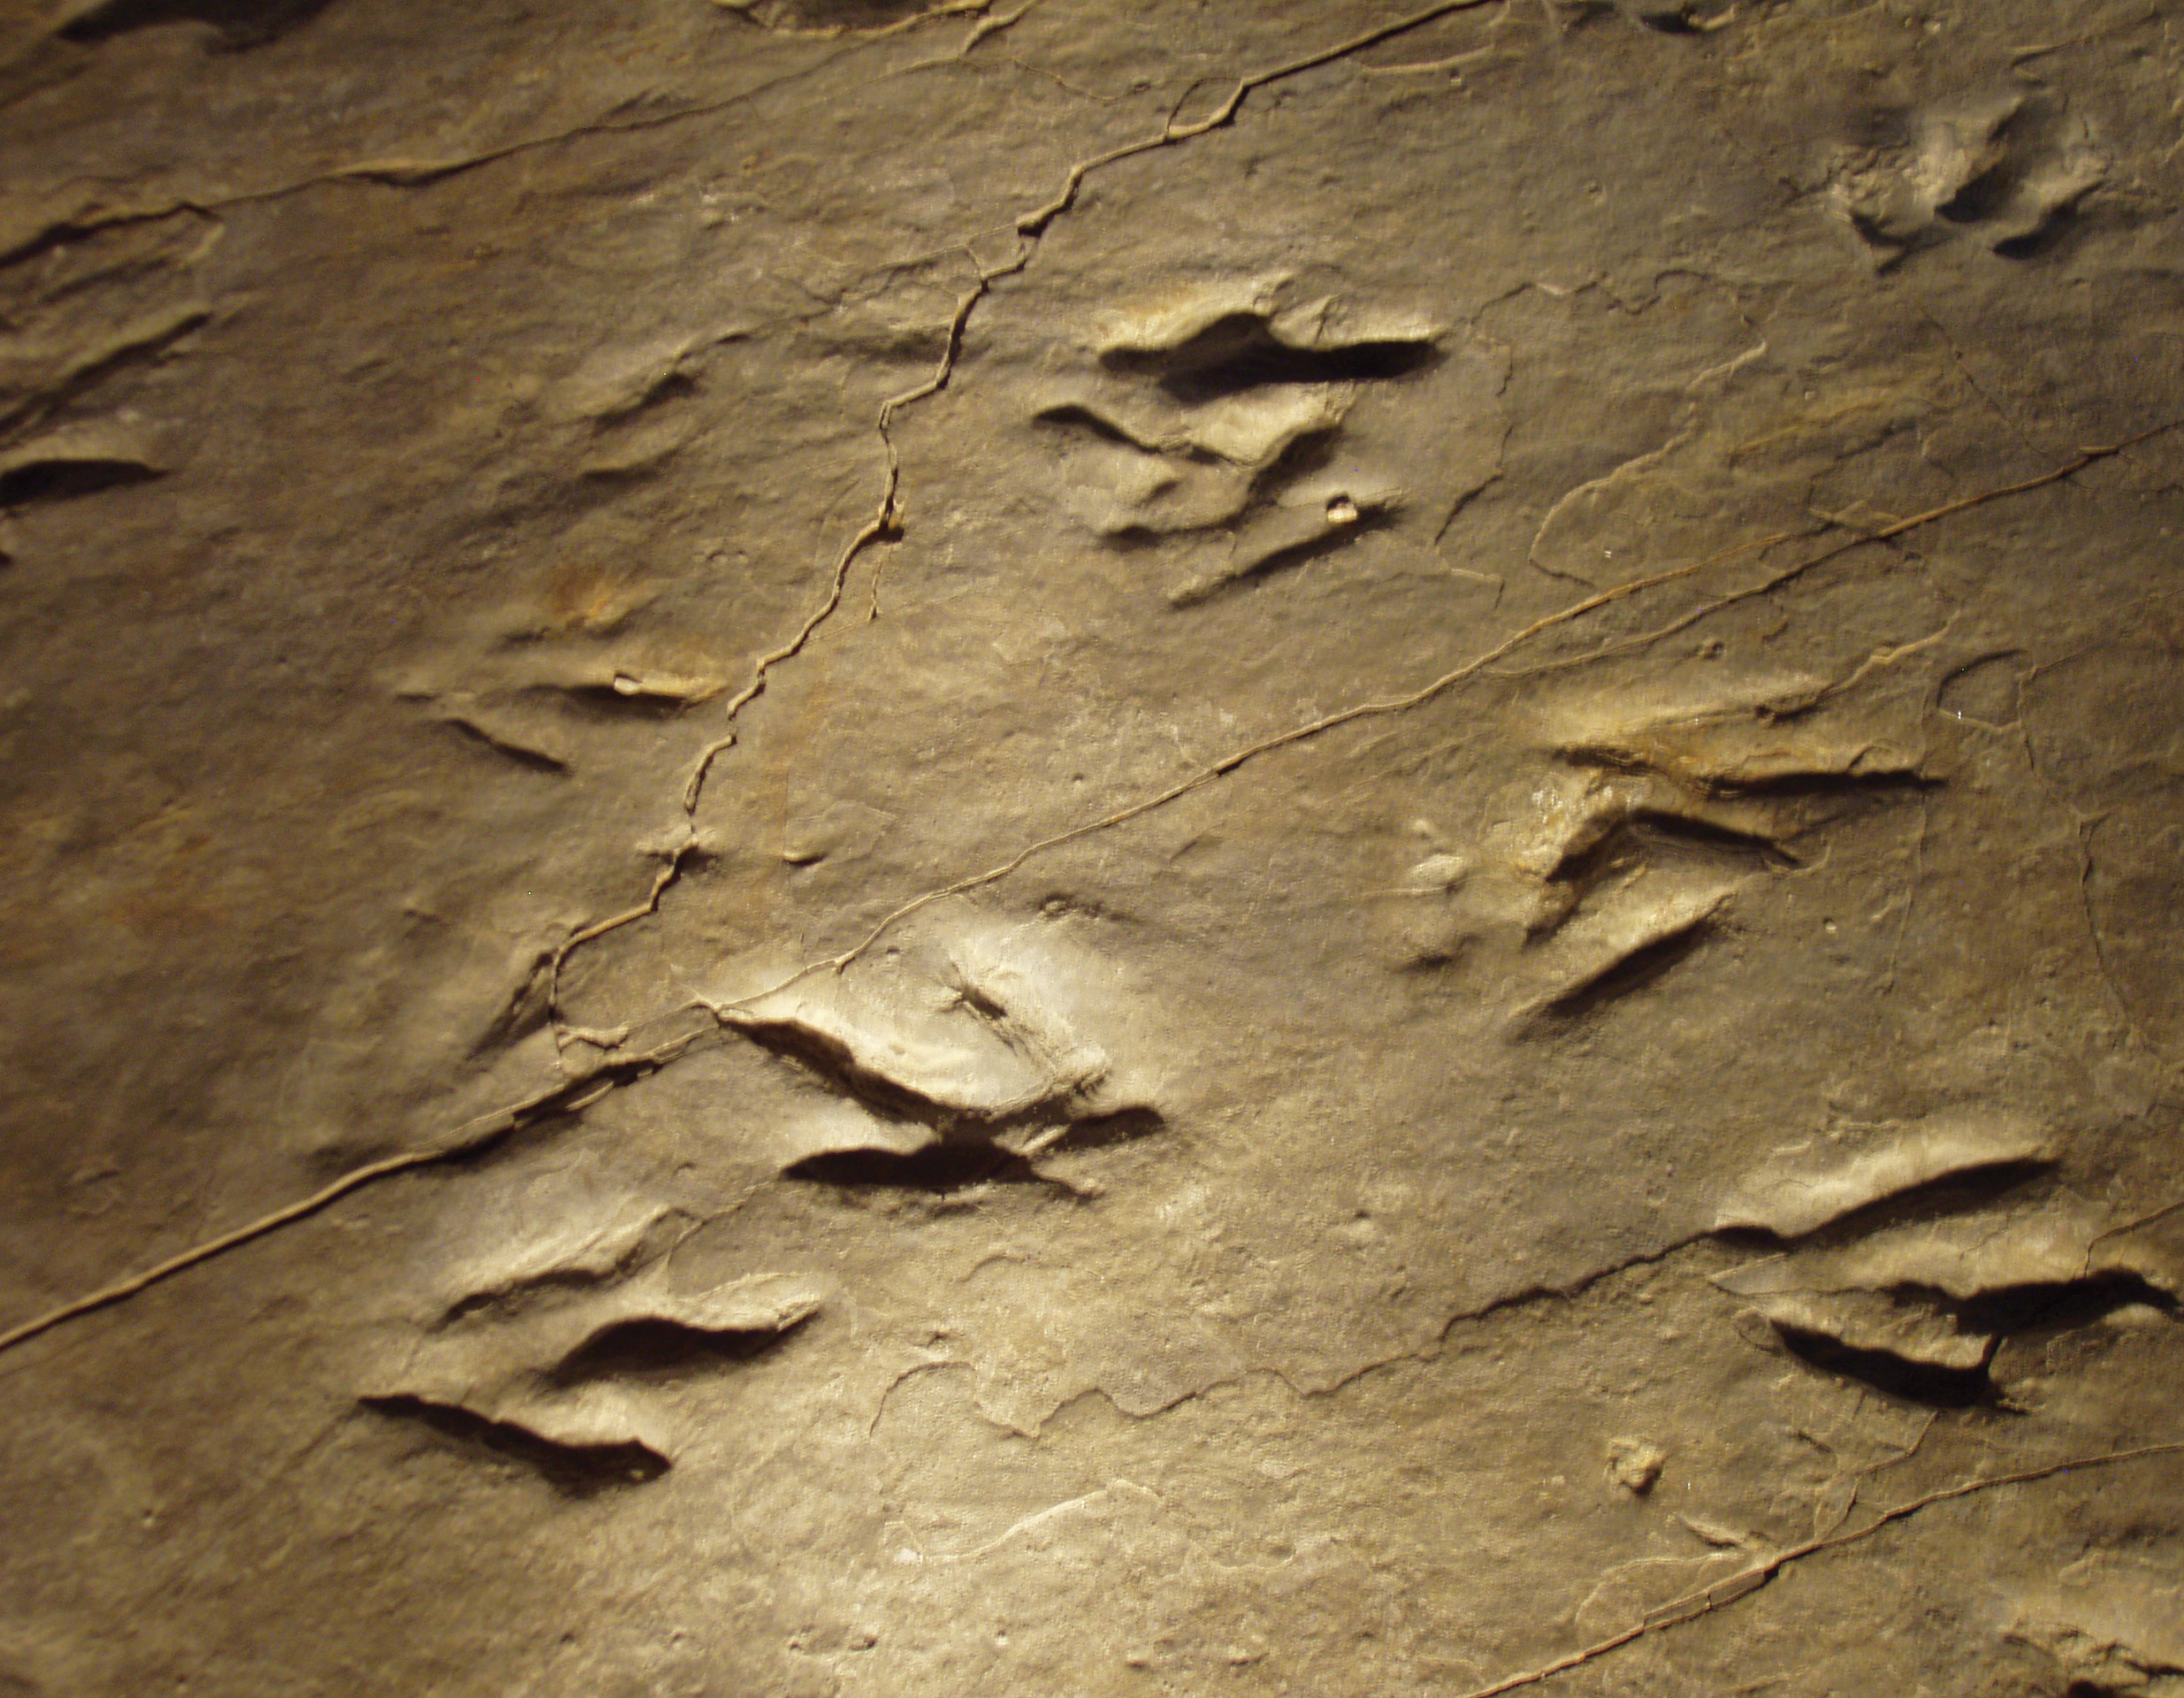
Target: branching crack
<point>885,524</point>
<point>567,1099</point>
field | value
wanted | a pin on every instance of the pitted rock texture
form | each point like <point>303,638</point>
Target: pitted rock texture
<point>1091,848</point>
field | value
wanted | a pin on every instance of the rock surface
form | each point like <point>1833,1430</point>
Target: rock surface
<point>1099,847</point>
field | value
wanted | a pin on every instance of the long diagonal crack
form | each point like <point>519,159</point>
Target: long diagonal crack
<point>885,522</point>
<point>1747,1580</point>
<point>1888,532</point>
<point>580,1093</point>
<point>469,1139</point>
<point>1447,681</point>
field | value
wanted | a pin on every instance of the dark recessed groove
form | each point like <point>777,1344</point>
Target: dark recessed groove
<point>240,24</point>
<point>1633,972</point>
<point>1239,353</point>
<point>1912,1382</point>
<point>938,1169</point>
<point>575,1470</point>
<point>656,1347</point>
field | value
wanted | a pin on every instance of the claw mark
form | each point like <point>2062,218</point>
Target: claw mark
<point>144,339</point>
<point>572,1096</point>
<point>788,20</point>
<point>1745,1581</point>
<point>575,1467</point>
<point>561,1098</point>
<point>885,522</point>
<point>1447,681</point>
